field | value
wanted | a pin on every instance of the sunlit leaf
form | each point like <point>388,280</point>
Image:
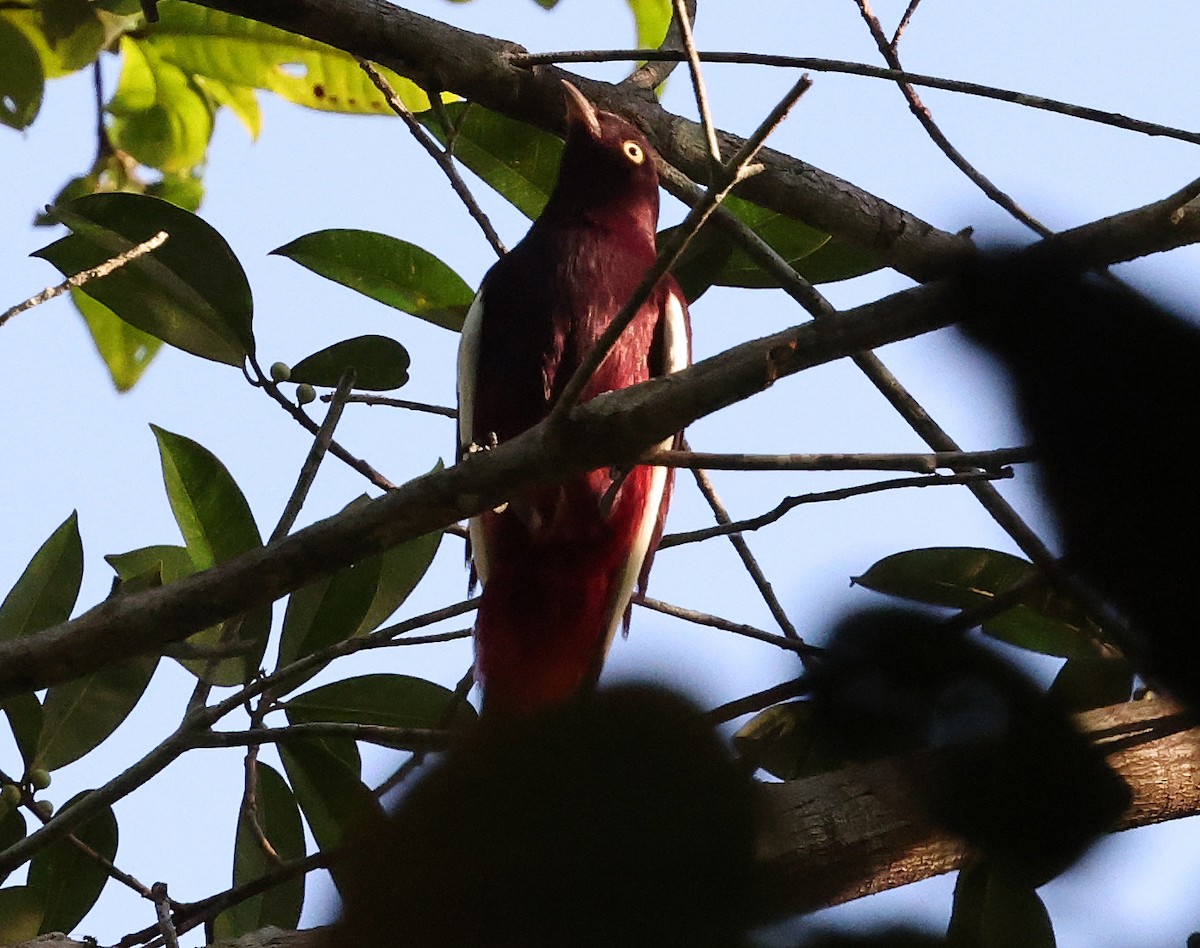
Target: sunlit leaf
<point>992,910</point>
<point>240,100</point>
<point>46,592</point>
<point>652,17</point>
<point>125,349</point>
<point>393,271</point>
<point>386,700</point>
<point>21,80</point>
<point>80,714</point>
<point>184,189</point>
<point>190,292</point>
<point>380,364</point>
<point>66,34</point>
<point>68,880</point>
<point>279,818</point>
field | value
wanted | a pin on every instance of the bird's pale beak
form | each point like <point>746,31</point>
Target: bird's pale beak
<point>580,111</point>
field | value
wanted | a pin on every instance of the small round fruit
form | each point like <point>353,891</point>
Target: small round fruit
<point>305,393</point>
<point>281,371</point>
<point>44,808</point>
<point>39,778</point>
<point>10,796</point>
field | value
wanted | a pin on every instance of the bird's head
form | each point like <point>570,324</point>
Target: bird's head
<point>607,168</point>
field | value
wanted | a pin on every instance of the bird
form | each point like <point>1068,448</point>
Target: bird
<point>559,563</point>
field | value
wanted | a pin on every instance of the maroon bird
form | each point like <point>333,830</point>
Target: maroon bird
<point>559,563</point>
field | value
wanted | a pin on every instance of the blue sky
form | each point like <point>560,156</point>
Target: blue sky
<point>72,443</point>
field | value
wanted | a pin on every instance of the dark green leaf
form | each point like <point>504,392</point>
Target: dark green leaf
<point>393,271</point>
<point>24,713</point>
<point>190,292</point>
<point>69,881</point>
<point>401,568</point>
<point>382,699</point>
<point>12,831</point>
<point>380,364</point>
<point>1086,683</point>
<point>992,910</point>
<point>834,261</point>
<point>209,507</point>
<point>21,79</point>
<point>518,160</point>
<point>125,349</point>
<point>326,777</point>
<point>80,714</point>
<point>279,818</point>
<point>20,914</point>
<point>964,577</point>
<point>46,592</point>
<point>778,739</point>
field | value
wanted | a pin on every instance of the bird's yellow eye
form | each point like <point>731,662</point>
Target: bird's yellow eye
<point>633,151</point>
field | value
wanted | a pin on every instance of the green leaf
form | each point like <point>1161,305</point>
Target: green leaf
<point>209,507</point>
<point>380,364</point>
<point>240,52</point>
<point>280,821</point>
<point>20,914</point>
<point>126,350</point>
<point>518,160</point>
<point>69,881</point>
<point>159,116</point>
<point>66,34</point>
<point>46,592</point>
<point>652,17</point>
<point>240,100</point>
<point>24,713</point>
<point>992,910</point>
<point>12,831</point>
<point>834,261</point>
<point>389,270</point>
<point>402,567</point>
<point>383,699</point>
<point>782,741</point>
<point>190,292</point>
<point>326,777</point>
<point>964,577</point>
<point>80,714</point>
<point>183,189</point>
<point>21,79</point>
<point>1086,683</point>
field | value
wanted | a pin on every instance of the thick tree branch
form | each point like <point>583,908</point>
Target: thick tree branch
<point>438,56</point>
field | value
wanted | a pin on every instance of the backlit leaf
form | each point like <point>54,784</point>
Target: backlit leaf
<point>20,914</point>
<point>46,592</point>
<point>380,364</point>
<point>69,881</point>
<point>386,700</point>
<point>125,349</point>
<point>21,80</point>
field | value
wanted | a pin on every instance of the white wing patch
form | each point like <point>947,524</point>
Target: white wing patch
<point>677,355</point>
<point>468,368</point>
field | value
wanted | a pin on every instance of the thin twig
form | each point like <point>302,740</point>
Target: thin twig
<point>367,399</point>
<point>757,701</point>
<point>725,625</point>
<point>442,157</point>
<point>819,497</point>
<point>92,273</point>
<point>162,906</point>
<point>817,64</point>
<point>651,74</point>
<point>733,172</point>
<point>398,738</point>
<point>925,117</point>
<point>689,48</point>
<point>905,19</point>
<point>919,463</point>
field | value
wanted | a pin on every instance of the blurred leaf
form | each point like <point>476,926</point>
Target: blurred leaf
<point>240,100</point>
<point>326,777</point>
<point>964,577</point>
<point>401,568</point>
<point>159,116</point>
<point>80,714</point>
<point>240,52</point>
<point>517,160</point>
<point>1086,683</point>
<point>280,821</point>
<point>126,350</point>
<point>380,364</point>
<point>21,80</point>
<point>69,881</point>
<point>20,914</point>
<point>172,563</point>
<point>395,272</point>
<point>777,739</point>
<point>46,592</point>
<point>652,18</point>
<point>12,831</point>
<point>183,189</point>
<point>190,292</point>
<point>993,911</point>
<point>24,713</point>
<point>381,699</point>
<point>66,34</point>
<point>209,507</point>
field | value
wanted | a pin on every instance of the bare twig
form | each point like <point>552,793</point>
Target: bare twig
<point>757,701</point>
<point>716,622</point>
<point>435,151</point>
<point>92,273</point>
<point>162,906</point>
<point>366,399</point>
<point>689,47</point>
<point>905,19</point>
<point>920,463</point>
<point>398,738</point>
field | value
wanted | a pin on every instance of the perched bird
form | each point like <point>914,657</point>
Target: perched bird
<point>559,563</point>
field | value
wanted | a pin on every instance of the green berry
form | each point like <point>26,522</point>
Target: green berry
<point>10,796</point>
<point>44,809</point>
<point>39,778</point>
<point>305,393</point>
<point>281,371</point>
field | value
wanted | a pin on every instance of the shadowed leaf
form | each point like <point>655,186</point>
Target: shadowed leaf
<point>69,881</point>
<point>382,699</point>
<point>380,364</point>
<point>46,592</point>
